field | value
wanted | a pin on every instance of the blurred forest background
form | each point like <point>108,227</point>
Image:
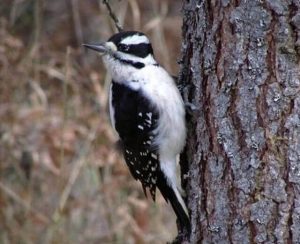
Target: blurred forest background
<point>61,178</point>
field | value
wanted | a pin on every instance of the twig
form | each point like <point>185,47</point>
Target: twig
<point>79,163</point>
<point>65,103</point>
<point>136,14</point>
<point>24,204</point>
<point>112,15</point>
<point>77,21</point>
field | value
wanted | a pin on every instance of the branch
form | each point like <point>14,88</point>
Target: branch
<point>112,15</point>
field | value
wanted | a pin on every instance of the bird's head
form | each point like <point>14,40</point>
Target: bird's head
<point>127,49</point>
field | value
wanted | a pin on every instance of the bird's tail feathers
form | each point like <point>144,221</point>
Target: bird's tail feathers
<point>172,195</point>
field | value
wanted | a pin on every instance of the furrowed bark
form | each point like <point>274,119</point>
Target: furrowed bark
<point>241,71</point>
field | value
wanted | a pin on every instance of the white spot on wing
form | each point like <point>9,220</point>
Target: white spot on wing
<point>149,115</point>
<point>153,155</point>
<point>140,127</point>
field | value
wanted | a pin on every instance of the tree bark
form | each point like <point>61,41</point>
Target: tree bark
<point>241,73</point>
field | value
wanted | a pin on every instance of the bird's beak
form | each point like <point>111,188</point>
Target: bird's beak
<point>101,47</point>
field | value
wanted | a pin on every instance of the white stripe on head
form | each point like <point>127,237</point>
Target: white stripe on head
<point>135,39</point>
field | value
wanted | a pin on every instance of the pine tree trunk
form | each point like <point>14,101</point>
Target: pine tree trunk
<point>240,67</point>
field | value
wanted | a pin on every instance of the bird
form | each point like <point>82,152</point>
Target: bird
<point>148,114</point>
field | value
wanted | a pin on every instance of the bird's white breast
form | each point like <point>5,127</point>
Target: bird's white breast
<point>159,87</point>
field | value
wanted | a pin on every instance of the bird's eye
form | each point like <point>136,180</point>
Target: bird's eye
<point>123,47</point>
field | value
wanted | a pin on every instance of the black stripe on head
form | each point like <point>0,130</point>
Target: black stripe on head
<point>137,65</point>
<point>117,38</point>
<point>141,50</point>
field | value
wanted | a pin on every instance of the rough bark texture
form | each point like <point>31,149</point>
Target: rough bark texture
<point>240,66</point>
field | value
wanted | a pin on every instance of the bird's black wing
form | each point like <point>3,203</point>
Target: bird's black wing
<point>135,121</point>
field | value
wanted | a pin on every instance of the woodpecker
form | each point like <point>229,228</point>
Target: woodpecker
<point>147,111</point>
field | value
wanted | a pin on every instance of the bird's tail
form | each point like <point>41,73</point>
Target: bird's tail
<point>172,195</point>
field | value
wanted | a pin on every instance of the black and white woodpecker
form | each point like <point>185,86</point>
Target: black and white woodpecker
<point>147,111</point>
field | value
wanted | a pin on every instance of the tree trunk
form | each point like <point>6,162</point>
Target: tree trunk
<point>240,67</point>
